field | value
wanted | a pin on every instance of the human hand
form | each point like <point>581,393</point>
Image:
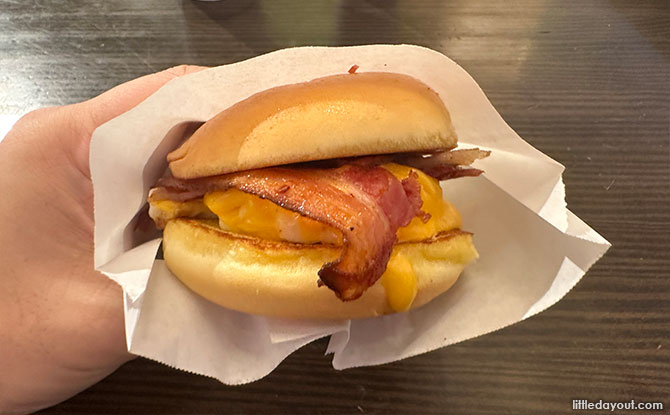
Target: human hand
<point>61,322</point>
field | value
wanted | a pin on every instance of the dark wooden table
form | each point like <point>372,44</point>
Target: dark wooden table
<point>588,83</point>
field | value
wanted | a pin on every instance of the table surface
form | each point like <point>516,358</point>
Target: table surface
<point>585,82</point>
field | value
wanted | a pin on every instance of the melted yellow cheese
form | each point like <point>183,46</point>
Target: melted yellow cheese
<point>443,215</point>
<point>191,209</point>
<point>399,282</point>
<point>248,214</point>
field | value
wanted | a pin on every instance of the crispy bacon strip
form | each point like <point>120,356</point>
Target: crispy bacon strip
<point>441,165</point>
<point>445,165</point>
<point>367,203</point>
<point>354,195</point>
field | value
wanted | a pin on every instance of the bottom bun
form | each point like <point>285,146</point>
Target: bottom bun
<point>275,278</point>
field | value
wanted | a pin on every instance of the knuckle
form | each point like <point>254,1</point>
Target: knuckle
<point>35,116</point>
<point>33,120</point>
<point>43,125</point>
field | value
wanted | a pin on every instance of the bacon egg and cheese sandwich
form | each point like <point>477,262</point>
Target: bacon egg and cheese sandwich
<point>318,200</point>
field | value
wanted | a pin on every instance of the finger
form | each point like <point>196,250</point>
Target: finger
<point>83,118</point>
<point>122,98</point>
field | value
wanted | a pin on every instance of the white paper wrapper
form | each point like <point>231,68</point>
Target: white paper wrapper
<point>533,250</point>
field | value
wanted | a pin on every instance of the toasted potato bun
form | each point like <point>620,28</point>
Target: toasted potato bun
<point>337,116</point>
<point>277,278</point>
<point>245,261</point>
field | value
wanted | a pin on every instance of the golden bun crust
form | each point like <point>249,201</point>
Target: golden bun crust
<point>336,116</point>
<point>280,278</point>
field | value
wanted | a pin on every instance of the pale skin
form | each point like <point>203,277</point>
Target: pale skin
<point>61,322</point>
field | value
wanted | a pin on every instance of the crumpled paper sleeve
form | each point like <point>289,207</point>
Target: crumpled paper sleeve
<point>532,249</point>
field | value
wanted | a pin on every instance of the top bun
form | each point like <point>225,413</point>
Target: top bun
<point>337,116</point>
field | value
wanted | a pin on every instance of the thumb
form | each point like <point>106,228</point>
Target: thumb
<point>89,115</point>
<point>122,98</point>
